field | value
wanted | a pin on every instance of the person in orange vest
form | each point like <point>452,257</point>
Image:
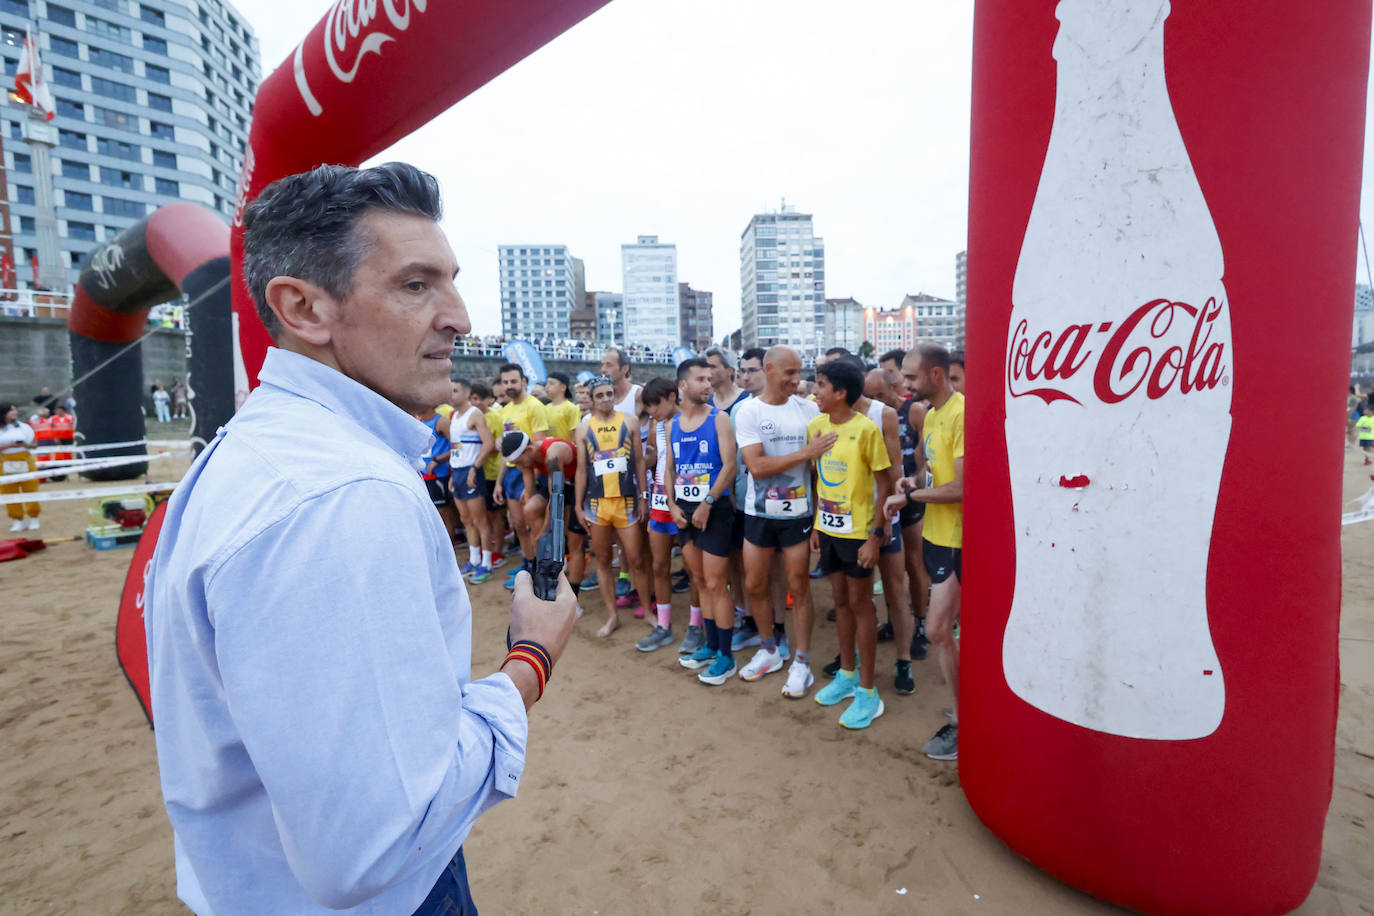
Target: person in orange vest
<point>46,434</point>
<point>16,440</point>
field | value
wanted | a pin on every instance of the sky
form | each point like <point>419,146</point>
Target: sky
<point>683,119</point>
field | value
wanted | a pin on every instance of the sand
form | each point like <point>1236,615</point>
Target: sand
<point>644,791</point>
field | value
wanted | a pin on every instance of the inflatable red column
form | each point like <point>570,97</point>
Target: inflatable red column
<point>367,75</point>
<point>1163,212</point>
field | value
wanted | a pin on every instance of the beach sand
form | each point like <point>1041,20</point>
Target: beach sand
<point>644,791</point>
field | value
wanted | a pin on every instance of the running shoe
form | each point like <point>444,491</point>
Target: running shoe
<point>622,587</point>
<point>945,744</point>
<point>885,631</point>
<point>467,568</point>
<point>498,560</point>
<point>34,524</point>
<point>588,583</point>
<point>745,637</point>
<point>866,707</point>
<point>699,659</point>
<point>693,641</point>
<point>902,681</point>
<point>629,599</point>
<point>830,669</point>
<point>789,600</point>
<point>658,637</point>
<point>721,670</point>
<point>480,575</point>
<point>510,582</point>
<point>17,525</point>
<point>842,688</point>
<point>681,582</point>
<point>817,573</point>
<point>799,680</point>
<point>919,643</point>
<point>763,663</point>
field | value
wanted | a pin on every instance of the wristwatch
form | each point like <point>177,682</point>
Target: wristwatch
<point>709,500</point>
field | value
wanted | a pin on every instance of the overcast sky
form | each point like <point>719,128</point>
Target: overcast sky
<point>683,119</point>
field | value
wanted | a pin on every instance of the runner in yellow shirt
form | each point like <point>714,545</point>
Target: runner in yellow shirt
<point>849,533</point>
<point>927,373</point>
<point>564,415</point>
<point>527,415</point>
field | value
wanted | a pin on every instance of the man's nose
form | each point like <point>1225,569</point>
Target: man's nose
<point>453,314</point>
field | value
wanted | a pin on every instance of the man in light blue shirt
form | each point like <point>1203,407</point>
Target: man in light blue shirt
<point>321,741</point>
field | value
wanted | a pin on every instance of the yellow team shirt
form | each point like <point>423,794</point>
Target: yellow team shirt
<point>528,416</point>
<point>844,475</point>
<point>563,419</point>
<point>445,411</point>
<point>944,444</point>
<point>1365,428</point>
<point>491,468</point>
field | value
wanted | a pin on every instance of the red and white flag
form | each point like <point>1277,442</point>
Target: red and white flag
<point>30,83</point>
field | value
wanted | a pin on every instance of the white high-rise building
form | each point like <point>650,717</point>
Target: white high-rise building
<point>539,290</point>
<point>649,277</point>
<point>782,281</point>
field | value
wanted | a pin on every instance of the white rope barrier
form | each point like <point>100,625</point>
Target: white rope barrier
<point>78,467</point>
<point>155,443</point>
<point>87,493</point>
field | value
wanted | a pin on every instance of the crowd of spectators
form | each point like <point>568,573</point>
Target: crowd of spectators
<point>559,348</point>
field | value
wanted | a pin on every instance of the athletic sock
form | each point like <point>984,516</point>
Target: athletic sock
<point>474,556</point>
<point>804,658</point>
<point>486,559</point>
<point>712,635</point>
<point>724,636</point>
<point>665,616</point>
<point>695,618</point>
<point>770,645</point>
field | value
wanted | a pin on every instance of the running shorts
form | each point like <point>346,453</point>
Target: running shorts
<point>779,533</point>
<point>718,535</point>
<point>841,555</point>
<point>942,562</point>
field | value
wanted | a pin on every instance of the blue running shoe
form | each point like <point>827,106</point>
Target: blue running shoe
<point>866,707</point>
<point>510,583</point>
<point>841,688</point>
<point>698,659</point>
<point>467,568</point>
<point>622,586</point>
<point>721,670</point>
<point>588,583</point>
<point>480,575</point>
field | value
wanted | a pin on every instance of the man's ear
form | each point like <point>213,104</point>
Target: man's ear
<point>304,310</point>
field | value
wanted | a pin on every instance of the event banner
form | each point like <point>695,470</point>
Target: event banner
<point>1163,214</point>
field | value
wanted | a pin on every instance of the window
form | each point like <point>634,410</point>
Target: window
<point>71,139</point>
<point>64,77</point>
<point>122,207</point>
<point>130,151</point>
<point>69,109</point>
<point>22,163</point>
<point>103,58</point>
<point>119,178</point>
<point>101,27</point>
<point>161,131</point>
<point>156,45</point>
<point>167,187</point>
<point>158,74</point>
<point>164,159</point>
<point>60,14</point>
<point>23,194</point>
<point>113,90</point>
<point>81,231</point>
<point>119,119</point>
<point>59,46</point>
<point>27,224</point>
<point>148,14</point>
<point>159,102</point>
<point>116,6</point>
<point>79,201</point>
<point>17,7</point>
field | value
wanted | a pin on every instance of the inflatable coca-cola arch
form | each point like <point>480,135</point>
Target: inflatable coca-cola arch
<point>1208,795</point>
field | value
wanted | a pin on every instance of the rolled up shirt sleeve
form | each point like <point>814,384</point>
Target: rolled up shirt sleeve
<point>338,669</point>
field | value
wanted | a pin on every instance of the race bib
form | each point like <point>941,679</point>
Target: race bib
<point>659,502</point>
<point>690,492</point>
<point>786,502</point>
<point>617,465</point>
<point>835,522</point>
<point>14,467</point>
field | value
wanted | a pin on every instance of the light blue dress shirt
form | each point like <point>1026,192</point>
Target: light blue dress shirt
<point>321,742</point>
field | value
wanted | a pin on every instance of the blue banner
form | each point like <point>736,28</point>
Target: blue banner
<point>524,353</point>
<point>682,353</point>
<point>585,376</point>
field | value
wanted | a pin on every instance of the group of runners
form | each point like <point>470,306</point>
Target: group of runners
<point>754,472</point>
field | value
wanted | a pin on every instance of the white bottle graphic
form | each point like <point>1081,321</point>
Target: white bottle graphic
<point>1118,398</point>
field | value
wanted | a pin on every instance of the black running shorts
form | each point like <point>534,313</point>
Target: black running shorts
<point>841,555</point>
<point>718,537</point>
<point>942,562</point>
<point>779,533</point>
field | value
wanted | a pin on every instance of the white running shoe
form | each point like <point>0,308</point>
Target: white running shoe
<point>33,524</point>
<point>799,680</point>
<point>17,525</point>
<point>763,663</point>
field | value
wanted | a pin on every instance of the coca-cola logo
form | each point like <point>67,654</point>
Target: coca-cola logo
<point>348,38</point>
<point>1135,355</point>
<point>245,182</point>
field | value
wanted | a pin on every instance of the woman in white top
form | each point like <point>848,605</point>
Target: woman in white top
<point>16,438</point>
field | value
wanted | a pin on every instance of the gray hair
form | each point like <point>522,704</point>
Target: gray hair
<point>306,225</point>
<point>725,356</point>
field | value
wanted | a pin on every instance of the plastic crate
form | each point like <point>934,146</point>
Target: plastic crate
<point>109,537</point>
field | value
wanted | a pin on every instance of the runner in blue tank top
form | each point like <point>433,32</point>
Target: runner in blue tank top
<point>436,470</point>
<point>701,468</point>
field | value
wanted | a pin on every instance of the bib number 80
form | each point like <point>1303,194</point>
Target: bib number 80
<point>690,492</point>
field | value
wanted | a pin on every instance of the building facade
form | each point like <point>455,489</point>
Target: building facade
<point>538,291</point>
<point>649,277</point>
<point>154,101</point>
<point>694,317</point>
<point>1363,330</point>
<point>890,329</point>
<point>938,320</point>
<point>610,318</point>
<point>782,281</point>
<point>844,324</point>
<point>582,321</point>
<point>961,285</point>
